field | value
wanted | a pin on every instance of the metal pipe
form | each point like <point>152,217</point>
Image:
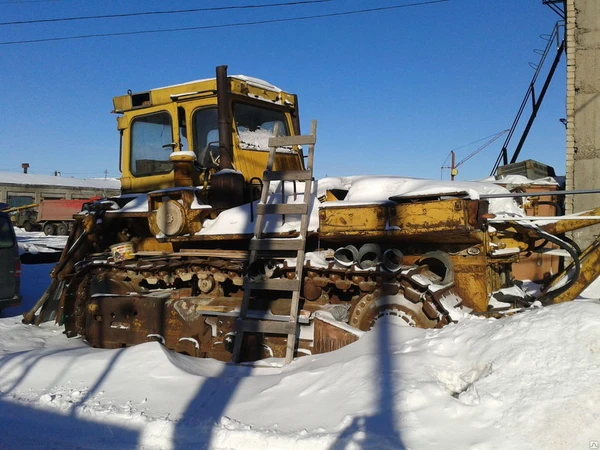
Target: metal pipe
<point>540,194</point>
<point>296,116</point>
<point>534,218</point>
<point>538,103</point>
<point>224,119</point>
<point>503,156</point>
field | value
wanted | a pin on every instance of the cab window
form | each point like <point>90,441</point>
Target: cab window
<point>151,144</point>
<point>205,135</point>
<point>255,125</point>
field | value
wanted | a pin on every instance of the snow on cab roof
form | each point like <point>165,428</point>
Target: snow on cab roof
<point>257,82</point>
<point>250,80</point>
<point>47,180</point>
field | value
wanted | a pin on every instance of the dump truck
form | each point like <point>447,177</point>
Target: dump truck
<point>52,216</point>
<point>56,216</point>
<point>223,245</point>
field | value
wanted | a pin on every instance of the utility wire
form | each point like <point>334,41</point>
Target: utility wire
<point>27,1</point>
<point>479,140</point>
<point>227,25</point>
<point>154,13</point>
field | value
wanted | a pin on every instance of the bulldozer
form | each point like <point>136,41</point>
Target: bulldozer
<point>223,245</point>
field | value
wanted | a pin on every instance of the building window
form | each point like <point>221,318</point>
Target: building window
<point>20,200</point>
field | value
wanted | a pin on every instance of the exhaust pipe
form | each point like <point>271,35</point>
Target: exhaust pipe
<point>224,119</point>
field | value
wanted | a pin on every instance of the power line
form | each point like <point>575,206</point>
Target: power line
<point>228,25</point>
<point>482,139</point>
<point>27,1</point>
<point>153,13</point>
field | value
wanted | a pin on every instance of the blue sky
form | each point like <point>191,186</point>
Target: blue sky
<point>393,91</point>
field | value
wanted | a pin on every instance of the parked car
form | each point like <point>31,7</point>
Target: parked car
<point>10,264</point>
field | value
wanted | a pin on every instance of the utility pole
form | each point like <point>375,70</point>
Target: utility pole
<point>453,169</point>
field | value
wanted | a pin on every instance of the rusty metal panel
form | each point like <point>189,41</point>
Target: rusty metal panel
<point>354,218</point>
<point>120,321</point>
<point>454,217</point>
<point>473,282</point>
<point>329,338</point>
<point>434,216</point>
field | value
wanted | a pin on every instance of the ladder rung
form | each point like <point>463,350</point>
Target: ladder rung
<point>285,141</point>
<point>277,244</point>
<point>266,326</point>
<point>282,208</point>
<point>256,314</point>
<point>273,284</point>
<point>287,175</point>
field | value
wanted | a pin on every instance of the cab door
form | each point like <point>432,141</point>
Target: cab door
<point>148,138</point>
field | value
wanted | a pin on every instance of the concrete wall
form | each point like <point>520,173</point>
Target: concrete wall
<point>583,108</point>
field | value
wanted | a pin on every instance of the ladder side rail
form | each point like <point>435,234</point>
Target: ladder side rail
<point>295,303</point>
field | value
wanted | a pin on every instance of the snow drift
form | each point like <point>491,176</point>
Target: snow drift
<point>524,382</point>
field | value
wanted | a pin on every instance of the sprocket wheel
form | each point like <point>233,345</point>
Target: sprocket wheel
<point>370,308</point>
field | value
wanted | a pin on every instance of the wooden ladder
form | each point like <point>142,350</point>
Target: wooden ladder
<point>260,244</point>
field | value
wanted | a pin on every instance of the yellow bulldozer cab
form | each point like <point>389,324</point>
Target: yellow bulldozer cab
<point>189,118</point>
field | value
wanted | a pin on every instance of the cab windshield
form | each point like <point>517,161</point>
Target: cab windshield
<point>255,125</point>
<point>152,136</point>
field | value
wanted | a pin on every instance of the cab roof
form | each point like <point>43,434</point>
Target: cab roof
<point>240,85</point>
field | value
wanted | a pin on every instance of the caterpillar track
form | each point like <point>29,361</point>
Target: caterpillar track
<point>191,304</point>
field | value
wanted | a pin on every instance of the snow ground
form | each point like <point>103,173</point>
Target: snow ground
<point>528,381</point>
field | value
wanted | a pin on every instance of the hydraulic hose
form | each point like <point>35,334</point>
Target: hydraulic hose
<point>547,296</point>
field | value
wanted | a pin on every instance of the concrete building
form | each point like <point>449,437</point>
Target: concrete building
<point>583,108</point>
<point>19,189</point>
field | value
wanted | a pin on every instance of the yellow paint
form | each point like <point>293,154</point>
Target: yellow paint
<point>432,216</point>
<point>400,219</point>
<point>352,219</point>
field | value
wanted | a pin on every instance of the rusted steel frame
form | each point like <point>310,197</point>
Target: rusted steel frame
<point>539,194</point>
<point>565,225</point>
<point>29,317</point>
<point>64,268</point>
<point>223,237</point>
